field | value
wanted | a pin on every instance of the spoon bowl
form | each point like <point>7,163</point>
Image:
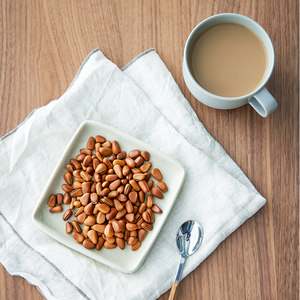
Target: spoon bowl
<point>188,239</point>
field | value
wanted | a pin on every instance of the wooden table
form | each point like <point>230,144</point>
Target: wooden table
<point>43,43</point>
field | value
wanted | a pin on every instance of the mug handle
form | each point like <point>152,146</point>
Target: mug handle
<point>263,102</point>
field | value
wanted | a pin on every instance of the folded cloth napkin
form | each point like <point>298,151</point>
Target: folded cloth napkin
<point>143,100</point>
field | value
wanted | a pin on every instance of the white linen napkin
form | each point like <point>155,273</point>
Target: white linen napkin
<point>144,101</point>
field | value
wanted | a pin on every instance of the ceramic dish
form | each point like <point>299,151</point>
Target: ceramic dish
<point>126,260</point>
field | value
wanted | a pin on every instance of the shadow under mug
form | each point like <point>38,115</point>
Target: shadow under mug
<point>260,99</point>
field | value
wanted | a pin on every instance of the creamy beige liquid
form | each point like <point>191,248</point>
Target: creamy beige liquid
<point>228,60</point>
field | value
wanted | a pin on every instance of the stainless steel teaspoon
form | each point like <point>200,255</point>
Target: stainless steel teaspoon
<point>188,239</point>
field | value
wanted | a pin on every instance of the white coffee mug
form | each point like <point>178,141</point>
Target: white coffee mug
<point>260,99</point>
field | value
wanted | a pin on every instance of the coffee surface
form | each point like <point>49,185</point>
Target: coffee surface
<point>228,60</point>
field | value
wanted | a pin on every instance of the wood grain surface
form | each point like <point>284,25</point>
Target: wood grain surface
<point>42,44</point>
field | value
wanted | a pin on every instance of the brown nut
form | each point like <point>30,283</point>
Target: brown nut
<point>134,153</point>
<point>138,176</point>
<point>145,167</point>
<point>69,227</point>
<point>89,209</point>
<point>162,186</point>
<point>52,201</point>
<point>68,178</point>
<point>130,217</point>
<point>67,188</point>
<point>100,243</point>
<point>100,139</point>
<point>118,205</point>
<point>150,183</point>
<point>133,196</point>
<point>127,189</point>
<point>78,237</point>
<point>90,145</point>
<point>88,244</point>
<point>100,219</point>
<point>75,164</point>
<point>108,245</point>
<point>146,217</point>
<point>115,147</point>
<point>126,170</point>
<point>99,227</point>
<point>93,236</point>
<point>109,231</point>
<point>114,185</point>
<point>76,226</point>
<point>129,207</point>
<point>113,194</point>
<point>122,197</point>
<point>77,185</point>
<point>142,234</point>
<point>90,221</point>
<point>151,215</point>
<point>131,226</point>
<point>67,215</point>
<point>156,209</point>
<point>132,240</point>
<point>105,151</point>
<point>120,243</point>
<point>94,198</point>
<point>111,177</point>
<point>86,176</point>
<point>101,168</point>
<point>157,193</point>
<point>149,201</point>
<point>118,170</point>
<point>56,209</point>
<point>113,212</point>
<point>144,186</point>
<point>134,185</point>
<point>117,227</point>
<point>121,155</point>
<point>145,155</point>
<point>86,187</point>
<point>130,162</point>
<point>79,211</point>
<point>85,151</point>
<point>104,208</point>
<point>121,214</point>
<point>136,246</point>
<point>70,168</point>
<point>156,174</point>
<point>139,161</point>
<point>119,162</point>
<point>147,226</point>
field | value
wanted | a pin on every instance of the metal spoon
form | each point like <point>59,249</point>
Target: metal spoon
<point>188,239</point>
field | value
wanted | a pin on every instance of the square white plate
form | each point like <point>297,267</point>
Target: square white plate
<point>126,260</point>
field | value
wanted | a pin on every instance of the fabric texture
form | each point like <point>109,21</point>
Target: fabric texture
<point>143,100</point>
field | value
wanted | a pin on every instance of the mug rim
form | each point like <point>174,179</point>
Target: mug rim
<point>271,55</point>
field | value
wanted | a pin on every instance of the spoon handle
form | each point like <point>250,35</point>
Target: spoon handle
<point>177,279</point>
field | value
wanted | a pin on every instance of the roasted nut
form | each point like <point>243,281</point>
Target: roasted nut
<point>108,245</point>
<point>90,221</point>
<point>75,164</point>
<point>134,153</point>
<point>101,168</point>
<point>119,162</point>
<point>129,207</point>
<point>100,219</point>
<point>138,176</point>
<point>142,234</point>
<point>87,160</point>
<point>134,185</point>
<point>104,208</point>
<point>93,236</point>
<point>76,193</point>
<point>132,240</point>
<point>113,212</point>
<point>88,244</point>
<point>55,209</point>
<point>145,155</point>
<point>84,199</point>
<point>162,186</point>
<point>86,187</point>
<point>89,209</point>
<point>156,174</point>
<point>149,201</point>
<point>130,162</point>
<point>100,139</point>
<point>120,243</point>
<point>100,243</point>
<point>99,227</point>
<point>67,215</point>
<point>79,211</point>
<point>121,155</point>
<point>147,226</point>
<point>109,231</point>
<point>114,185</point>
<point>118,170</point>
<point>131,226</point>
<point>145,167</point>
<point>157,193</point>
<point>52,201</point>
<point>68,178</point>
<point>78,237</point>
<point>69,227</point>
<point>67,188</point>
<point>105,151</point>
<point>136,246</point>
<point>144,186</point>
<point>139,161</point>
<point>156,209</point>
<point>133,196</point>
<point>76,226</point>
<point>70,168</point>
